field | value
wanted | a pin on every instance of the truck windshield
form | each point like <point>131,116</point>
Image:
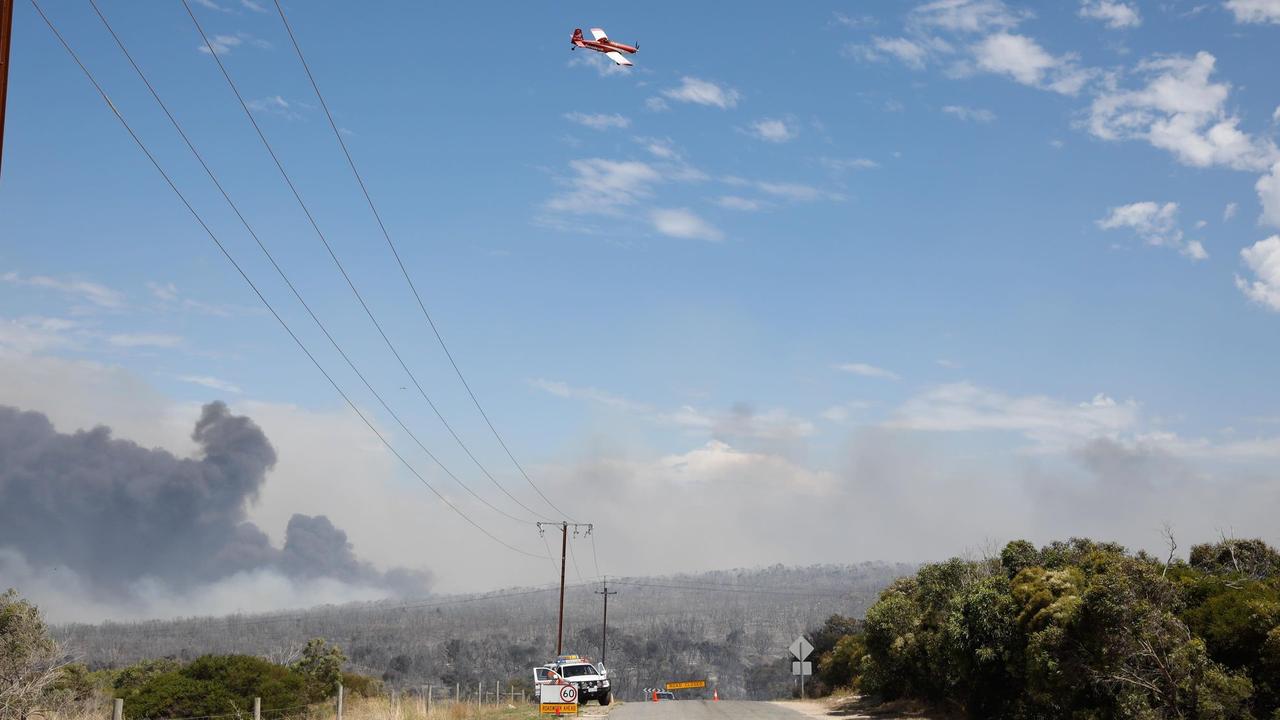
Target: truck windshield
<point>577,670</point>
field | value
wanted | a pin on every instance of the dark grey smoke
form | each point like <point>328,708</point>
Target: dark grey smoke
<point>115,513</point>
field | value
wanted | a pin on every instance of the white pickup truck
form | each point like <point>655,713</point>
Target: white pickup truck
<point>592,681</point>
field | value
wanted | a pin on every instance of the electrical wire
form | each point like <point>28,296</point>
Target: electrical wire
<point>341,268</point>
<point>403,270</point>
<point>594,557</point>
<point>573,556</point>
<point>212,236</point>
<point>280,271</point>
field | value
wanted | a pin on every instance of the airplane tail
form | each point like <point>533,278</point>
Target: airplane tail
<point>577,34</point>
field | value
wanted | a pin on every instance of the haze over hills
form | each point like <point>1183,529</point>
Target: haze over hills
<point>722,624</point>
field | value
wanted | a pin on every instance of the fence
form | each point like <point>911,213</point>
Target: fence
<point>427,698</point>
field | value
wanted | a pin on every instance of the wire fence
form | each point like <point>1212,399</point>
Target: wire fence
<point>420,701</point>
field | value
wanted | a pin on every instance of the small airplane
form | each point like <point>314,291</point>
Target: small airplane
<point>603,44</point>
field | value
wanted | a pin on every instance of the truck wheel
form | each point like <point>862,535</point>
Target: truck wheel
<point>606,698</point>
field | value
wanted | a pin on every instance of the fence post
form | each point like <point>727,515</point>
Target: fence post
<point>339,701</point>
<point>479,693</point>
<point>428,699</point>
<point>118,712</point>
<point>457,693</point>
<point>257,708</point>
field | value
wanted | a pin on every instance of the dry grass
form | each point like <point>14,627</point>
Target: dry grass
<point>354,709</point>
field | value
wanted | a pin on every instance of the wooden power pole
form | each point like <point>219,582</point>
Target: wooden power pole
<point>564,549</point>
<point>604,625</point>
<point>6,40</point>
<point>564,545</point>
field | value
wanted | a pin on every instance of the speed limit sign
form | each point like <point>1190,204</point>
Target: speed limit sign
<point>568,694</point>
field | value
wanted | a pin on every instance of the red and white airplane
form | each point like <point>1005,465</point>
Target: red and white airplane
<point>602,43</point>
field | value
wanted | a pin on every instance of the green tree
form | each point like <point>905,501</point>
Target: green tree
<point>30,660</point>
<point>842,665</point>
<point>321,667</point>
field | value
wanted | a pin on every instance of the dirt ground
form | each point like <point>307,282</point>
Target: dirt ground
<point>856,706</point>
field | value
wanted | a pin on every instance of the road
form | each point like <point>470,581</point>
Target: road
<point>704,710</point>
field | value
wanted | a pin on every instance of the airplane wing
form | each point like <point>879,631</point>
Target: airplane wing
<point>598,34</point>
<point>617,57</point>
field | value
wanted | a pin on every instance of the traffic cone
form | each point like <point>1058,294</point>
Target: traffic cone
<point>655,696</point>
<point>715,696</point>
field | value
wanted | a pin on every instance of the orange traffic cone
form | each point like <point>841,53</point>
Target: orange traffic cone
<point>655,696</point>
<point>715,695</point>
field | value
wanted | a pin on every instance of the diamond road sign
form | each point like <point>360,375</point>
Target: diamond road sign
<point>801,649</point>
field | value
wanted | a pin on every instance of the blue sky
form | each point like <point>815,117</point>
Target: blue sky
<point>1031,246</point>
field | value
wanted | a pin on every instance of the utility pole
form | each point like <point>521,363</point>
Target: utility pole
<point>564,548</point>
<point>6,40</point>
<point>604,626</point>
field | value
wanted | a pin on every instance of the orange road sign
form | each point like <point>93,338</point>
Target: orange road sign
<point>558,708</point>
<point>686,685</point>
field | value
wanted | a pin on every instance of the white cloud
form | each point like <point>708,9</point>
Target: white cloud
<point>965,16</point>
<point>600,186</point>
<point>703,92</point>
<point>35,334</point>
<point>211,5</point>
<point>796,192</point>
<point>841,164</point>
<point>842,412</point>
<point>1255,11</point>
<point>211,382</point>
<point>221,44</point>
<point>164,292</point>
<point>684,223</point>
<point>603,66</point>
<point>660,148</point>
<point>1116,15</point>
<point>979,115</point>
<point>274,105</point>
<point>1263,258</point>
<point>656,104</point>
<point>1180,110</point>
<point>1155,224</point>
<point>772,130</point>
<point>964,407</point>
<point>734,202</point>
<point>598,121</point>
<point>1268,188</point>
<point>911,53</point>
<point>565,390</point>
<point>156,340</point>
<point>252,5</point>
<point>1230,211</point>
<point>94,293</point>
<point>1022,59</point>
<point>866,370</point>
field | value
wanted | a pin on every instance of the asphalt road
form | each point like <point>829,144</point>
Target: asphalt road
<point>703,710</point>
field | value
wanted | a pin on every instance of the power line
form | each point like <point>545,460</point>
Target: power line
<point>404,271</point>
<point>280,271</point>
<point>594,557</point>
<point>341,268</point>
<point>574,557</point>
<point>196,215</point>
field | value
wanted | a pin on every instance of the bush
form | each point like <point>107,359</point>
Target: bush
<point>1081,630</point>
<point>361,685</point>
<point>215,685</point>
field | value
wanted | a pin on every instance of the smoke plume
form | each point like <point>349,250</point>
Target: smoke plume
<point>119,517</point>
